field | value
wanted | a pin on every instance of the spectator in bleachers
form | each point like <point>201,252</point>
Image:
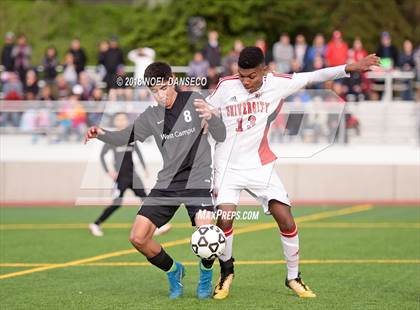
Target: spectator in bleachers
<point>262,44</point>
<point>212,78</point>
<point>103,48</point>
<point>46,93</point>
<point>406,58</point>
<point>141,57</point>
<point>357,52</point>
<point>13,87</point>
<point>69,70</point>
<point>38,120</point>
<point>283,54</point>
<point>233,68</point>
<point>64,121</point>
<point>31,88</point>
<point>317,63</point>
<point>198,67</point>
<point>416,56</point>
<point>113,58</point>
<point>21,54</point>
<point>97,94</point>
<point>387,51</point>
<point>294,66</point>
<point>62,88</point>
<point>212,51</point>
<point>230,61</point>
<point>299,51</point>
<point>78,117</point>
<point>336,52</point>
<point>87,85</point>
<point>271,67</point>
<point>13,90</point>
<point>120,92</point>
<point>317,50</point>
<point>144,94</point>
<point>358,84</point>
<point>72,117</point>
<point>406,63</point>
<point>50,63</point>
<point>6,53</point>
<point>79,55</point>
<point>94,118</point>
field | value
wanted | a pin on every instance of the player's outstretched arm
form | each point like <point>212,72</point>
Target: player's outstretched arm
<point>363,64</point>
<point>301,80</point>
<point>215,124</point>
<point>117,138</point>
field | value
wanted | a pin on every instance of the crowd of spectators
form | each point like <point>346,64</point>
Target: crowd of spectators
<point>63,75</point>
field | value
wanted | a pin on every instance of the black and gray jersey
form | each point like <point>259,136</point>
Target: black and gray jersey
<point>181,139</point>
<point>123,159</point>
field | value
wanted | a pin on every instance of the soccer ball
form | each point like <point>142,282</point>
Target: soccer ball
<point>208,242</point>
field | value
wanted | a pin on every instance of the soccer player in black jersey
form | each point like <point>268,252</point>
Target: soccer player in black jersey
<point>124,175</point>
<point>179,124</point>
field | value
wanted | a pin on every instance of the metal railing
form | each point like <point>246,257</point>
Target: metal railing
<point>372,123</point>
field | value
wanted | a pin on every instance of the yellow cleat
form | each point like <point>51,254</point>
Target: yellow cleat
<point>300,288</point>
<point>221,291</point>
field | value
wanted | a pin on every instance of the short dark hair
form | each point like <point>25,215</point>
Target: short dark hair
<point>250,57</point>
<point>157,71</point>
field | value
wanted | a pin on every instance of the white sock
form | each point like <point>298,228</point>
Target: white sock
<point>229,246</point>
<point>290,242</point>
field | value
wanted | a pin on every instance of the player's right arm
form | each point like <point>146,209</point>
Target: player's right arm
<point>140,130</point>
<point>117,138</point>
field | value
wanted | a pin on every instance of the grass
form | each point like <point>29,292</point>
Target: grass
<point>364,260</point>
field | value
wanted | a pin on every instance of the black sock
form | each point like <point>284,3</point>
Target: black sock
<point>207,263</point>
<point>162,260</point>
<point>107,213</point>
<point>227,266</point>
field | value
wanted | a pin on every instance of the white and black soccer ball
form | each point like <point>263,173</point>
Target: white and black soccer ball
<point>208,242</point>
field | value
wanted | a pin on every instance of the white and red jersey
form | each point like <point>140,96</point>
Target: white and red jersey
<point>248,116</point>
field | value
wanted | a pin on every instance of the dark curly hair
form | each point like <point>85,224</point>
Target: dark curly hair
<point>250,57</point>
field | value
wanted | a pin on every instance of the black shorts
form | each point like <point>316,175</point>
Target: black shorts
<point>160,205</point>
<point>128,182</point>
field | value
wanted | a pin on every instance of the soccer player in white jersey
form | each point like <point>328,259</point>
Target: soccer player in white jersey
<point>248,103</point>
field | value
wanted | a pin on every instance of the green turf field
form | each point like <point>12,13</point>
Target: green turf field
<point>363,257</point>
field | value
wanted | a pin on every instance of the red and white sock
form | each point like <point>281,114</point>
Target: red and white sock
<point>290,242</point>
<point>229,245</point>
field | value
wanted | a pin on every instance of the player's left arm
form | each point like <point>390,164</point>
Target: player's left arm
<point>301,80</point>
<point>363,64</point>
<point>215,124</point>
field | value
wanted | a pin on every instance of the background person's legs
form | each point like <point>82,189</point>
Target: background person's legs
<point>95,228</point>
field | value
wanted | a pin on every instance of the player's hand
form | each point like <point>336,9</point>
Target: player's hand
<point>113,175</point>
<point>93,133</point>
<point>205,126</point>
<point>364,64</point>
<point>203,109</point>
